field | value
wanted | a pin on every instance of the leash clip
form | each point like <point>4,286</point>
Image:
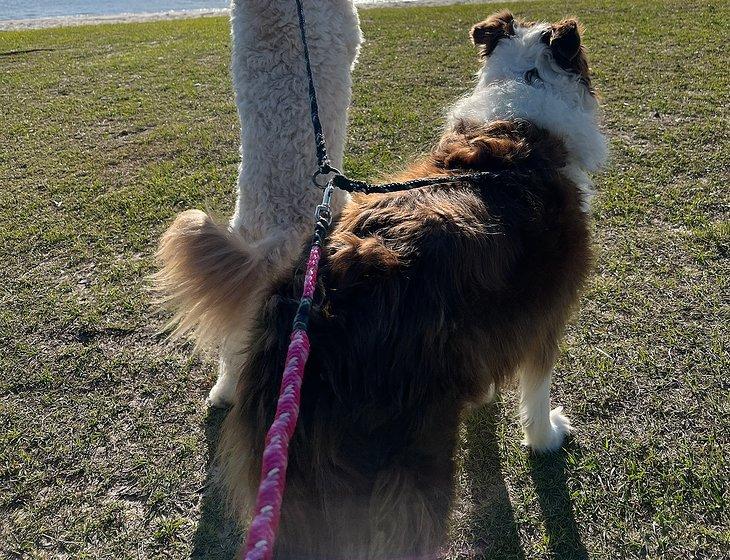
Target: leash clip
<point>324,210</point>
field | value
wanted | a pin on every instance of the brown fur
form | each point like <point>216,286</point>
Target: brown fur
<point>426,299</point>
<point>209,277</point>
<point>569,51</point>
<point>487,33</point>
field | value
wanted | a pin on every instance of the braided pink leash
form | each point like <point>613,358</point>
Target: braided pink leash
<point>265,524</point>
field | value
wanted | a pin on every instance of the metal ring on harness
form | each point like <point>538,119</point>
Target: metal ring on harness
<point>325,169</point>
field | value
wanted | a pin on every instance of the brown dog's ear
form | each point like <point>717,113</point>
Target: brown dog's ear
<point>487,34</point>
<point>565,40</point>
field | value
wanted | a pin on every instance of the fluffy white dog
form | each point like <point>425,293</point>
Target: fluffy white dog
<point>275,194</point>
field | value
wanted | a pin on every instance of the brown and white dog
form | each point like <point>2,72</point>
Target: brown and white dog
<point>427,301</point>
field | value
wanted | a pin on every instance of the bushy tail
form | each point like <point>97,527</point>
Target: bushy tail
<point>409,513</point>
<point>209,276</point>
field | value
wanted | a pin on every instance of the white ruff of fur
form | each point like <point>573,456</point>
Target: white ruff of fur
<point>557,102</point>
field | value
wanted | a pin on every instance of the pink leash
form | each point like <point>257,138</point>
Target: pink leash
<point>265,525</point>
<point>262,532</point>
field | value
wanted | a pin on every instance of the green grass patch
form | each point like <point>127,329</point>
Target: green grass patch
<point>109,130</point>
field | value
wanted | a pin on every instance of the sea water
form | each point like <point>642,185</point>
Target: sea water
<point>35,9</point>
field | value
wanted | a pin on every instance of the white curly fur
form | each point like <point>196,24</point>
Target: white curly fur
<point>269,78</point>
<point>275,195</point>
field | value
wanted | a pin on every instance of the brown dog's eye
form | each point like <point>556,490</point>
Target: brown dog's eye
<point>545,36</point>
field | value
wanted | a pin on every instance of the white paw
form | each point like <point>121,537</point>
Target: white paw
<point>548,438</point>
<point>221,396</point>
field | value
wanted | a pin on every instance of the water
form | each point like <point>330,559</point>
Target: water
<point>34,9</point>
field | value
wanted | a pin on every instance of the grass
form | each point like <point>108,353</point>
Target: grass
<point>108,131</point>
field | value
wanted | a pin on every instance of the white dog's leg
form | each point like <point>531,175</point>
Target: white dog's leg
<point>269,78</point>
<point>544,428</point>
<point>230,362</point>
<point>275,193</point>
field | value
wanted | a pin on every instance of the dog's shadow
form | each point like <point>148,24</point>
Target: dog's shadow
<point>493,530</point>
<point>217,536</point>
<point>548,473</point>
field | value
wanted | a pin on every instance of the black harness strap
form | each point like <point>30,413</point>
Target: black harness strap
<point>323,160</point>
<point>350,185</point>
<point>341,181</point>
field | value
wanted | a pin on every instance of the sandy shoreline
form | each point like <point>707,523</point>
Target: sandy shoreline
<point>66,21</point>
<point>69,21</point>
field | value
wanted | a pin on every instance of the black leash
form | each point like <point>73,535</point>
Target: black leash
<point>323,160</point>
<point>340,180</point>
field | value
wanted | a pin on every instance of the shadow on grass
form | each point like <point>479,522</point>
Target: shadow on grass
<point>493,529</point>
<point>217,536</point>
<point>548,474</point>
